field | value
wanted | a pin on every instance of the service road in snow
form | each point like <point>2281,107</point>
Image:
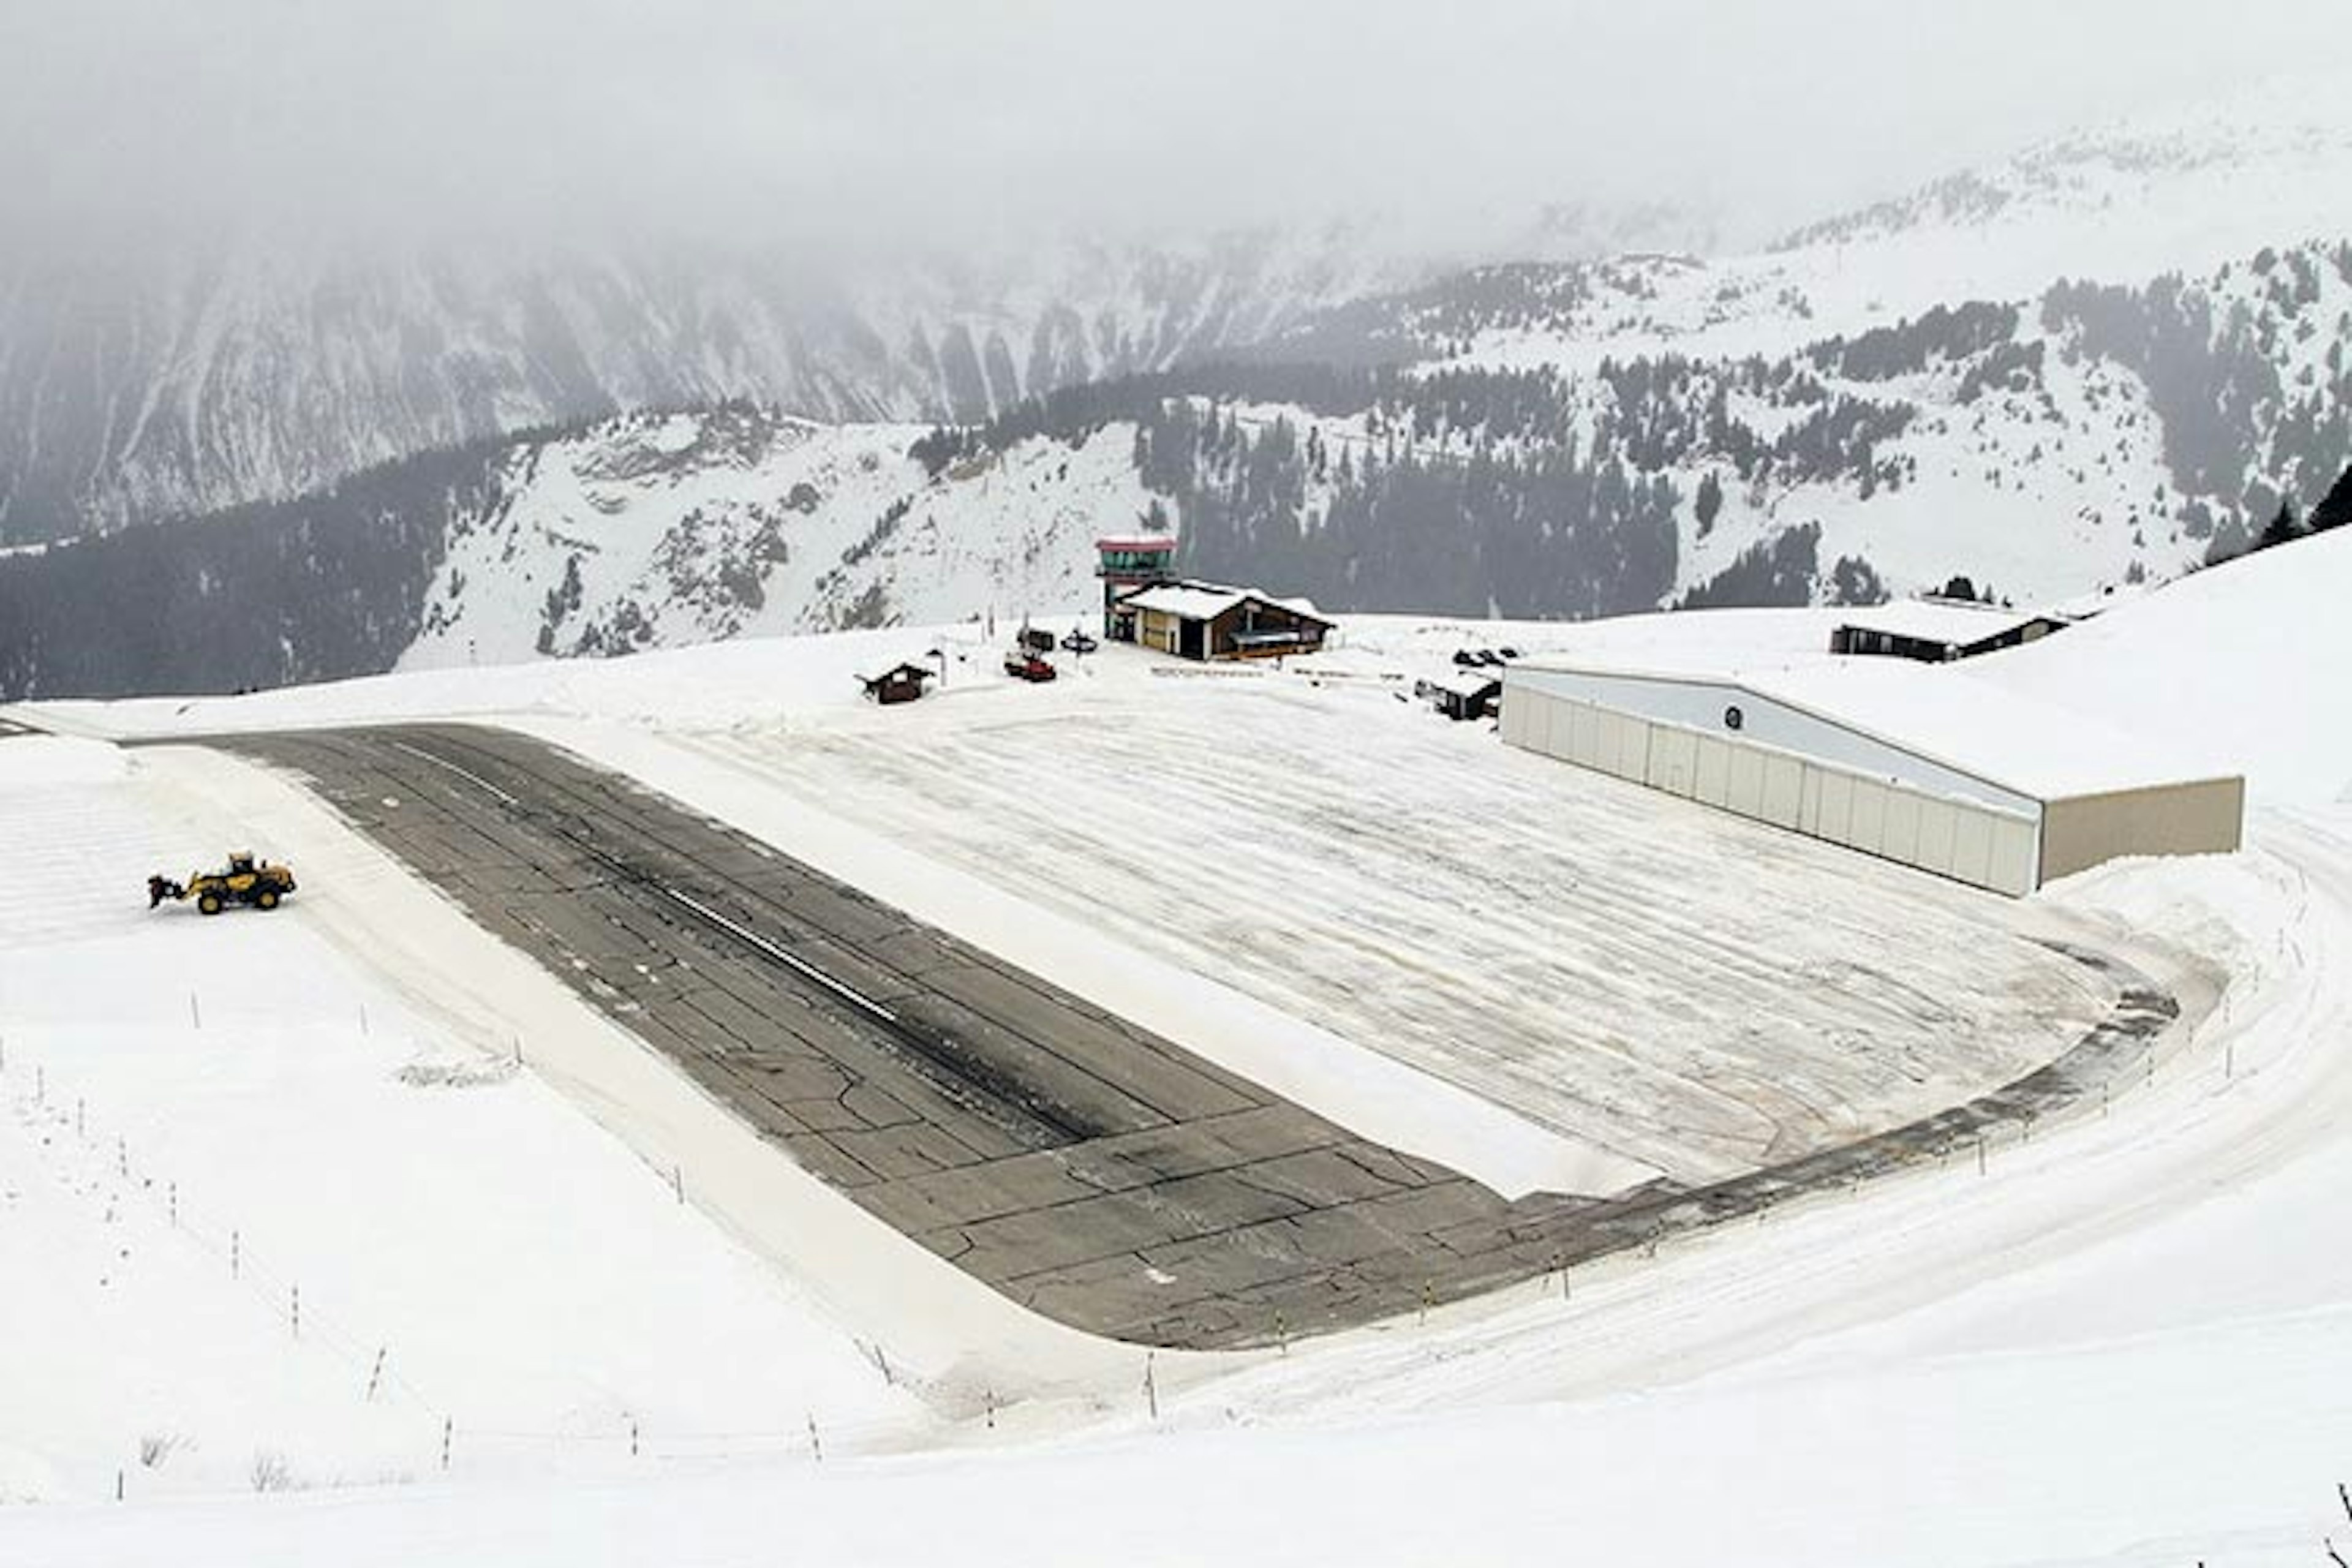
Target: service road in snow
<point>1092,1171</point>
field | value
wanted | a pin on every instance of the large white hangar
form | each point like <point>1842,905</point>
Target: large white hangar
<point>1927,766</point>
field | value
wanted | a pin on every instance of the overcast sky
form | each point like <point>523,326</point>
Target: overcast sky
<point>755,119</point>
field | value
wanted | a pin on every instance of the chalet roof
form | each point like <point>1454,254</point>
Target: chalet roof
<point>904,666</point>
<point>1206,601</point>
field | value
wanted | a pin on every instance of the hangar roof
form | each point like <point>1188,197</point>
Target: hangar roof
<point>1944,714</point>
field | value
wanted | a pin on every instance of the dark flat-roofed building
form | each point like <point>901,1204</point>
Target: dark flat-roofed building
<point>1937,631</point>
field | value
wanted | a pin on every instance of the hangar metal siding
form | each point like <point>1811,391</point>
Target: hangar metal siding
<point>1967,840</point>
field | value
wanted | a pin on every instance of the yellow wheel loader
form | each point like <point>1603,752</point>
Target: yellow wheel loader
<point>247,881</point>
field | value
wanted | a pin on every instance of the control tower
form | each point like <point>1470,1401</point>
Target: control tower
<point>1126,563</point>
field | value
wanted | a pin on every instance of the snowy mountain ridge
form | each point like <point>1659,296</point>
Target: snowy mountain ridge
<point>134,389</point>
<point>2094,438</point>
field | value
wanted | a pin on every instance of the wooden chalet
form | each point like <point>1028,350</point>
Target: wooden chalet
<point>1207,620</point>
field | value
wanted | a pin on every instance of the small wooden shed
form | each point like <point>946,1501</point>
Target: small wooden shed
<point>900,683</point>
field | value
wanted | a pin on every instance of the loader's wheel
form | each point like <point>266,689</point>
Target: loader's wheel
<point>209,904</point>
<point>267,898</point>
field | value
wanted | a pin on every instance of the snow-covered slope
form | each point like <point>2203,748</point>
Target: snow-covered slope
<point>137,389</point>
<point>2182,189</point>
<point>2238,662</point>
<point>661,531</point>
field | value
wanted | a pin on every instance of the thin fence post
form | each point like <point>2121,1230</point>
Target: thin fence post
<point>816,1444</point>
<point>122,1156</point>
<point>80,1107</point>
<point>632,1436</point>
<point>171,1203</point>
<point>677,1181</point>
<point>987,1404</point>
<point>297,1311</point>
<point>364,1023</point>
<point>376,1374</point>
<point>117,1484</point>
<point>235,1251</point>
<point>1151,1384</point>
<point>195,1012</point>
<point>448,1429</point>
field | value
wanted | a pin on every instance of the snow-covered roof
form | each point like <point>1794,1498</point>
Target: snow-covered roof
<point>1945,714</point>
<point>1466,683</point>
<point>1207,601</point>
<point>1136,541</point>
<point>1194,604</point>
<point>1940,620</point>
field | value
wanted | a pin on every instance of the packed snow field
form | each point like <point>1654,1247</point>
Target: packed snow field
<point>2114,1340</point>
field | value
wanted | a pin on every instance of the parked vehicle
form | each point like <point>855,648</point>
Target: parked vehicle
<point>1023,665</point>
<point>1079,642</point>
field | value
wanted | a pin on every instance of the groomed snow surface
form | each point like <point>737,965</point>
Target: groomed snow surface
<point>2119,1340</point>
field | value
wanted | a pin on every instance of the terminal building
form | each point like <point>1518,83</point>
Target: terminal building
<point>1144,602</point>
<point>1935,769</point>
<point>1209,620</point>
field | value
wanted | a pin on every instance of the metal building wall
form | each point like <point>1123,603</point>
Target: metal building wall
<point>1964,841</point>
<point>1702,704</point>
<point>2202,817</point>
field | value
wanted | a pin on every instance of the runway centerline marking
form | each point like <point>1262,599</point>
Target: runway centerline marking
<point>799,965</point>
<point>472,777</point>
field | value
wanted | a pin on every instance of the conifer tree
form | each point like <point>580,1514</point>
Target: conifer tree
<point>2336,509</point>
<point>2283,528</point>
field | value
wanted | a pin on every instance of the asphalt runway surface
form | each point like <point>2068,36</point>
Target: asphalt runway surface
<point>1091,1170</point>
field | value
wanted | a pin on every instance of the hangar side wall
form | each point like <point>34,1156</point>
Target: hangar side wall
<point>2206,816</point>
<point>1966,840</point>
<point>1701,705</point>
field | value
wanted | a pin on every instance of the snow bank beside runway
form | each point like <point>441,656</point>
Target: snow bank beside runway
<point>201,1119</point>
<point>51,762</point>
